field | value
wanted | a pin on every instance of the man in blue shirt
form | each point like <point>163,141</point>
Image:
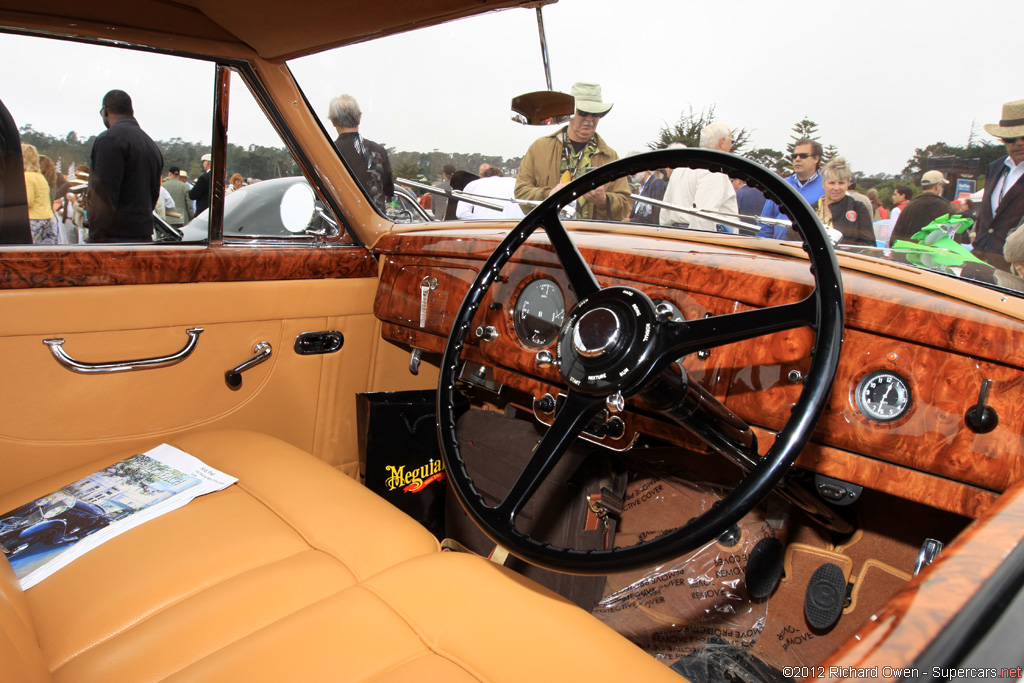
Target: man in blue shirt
<point>807,181</point>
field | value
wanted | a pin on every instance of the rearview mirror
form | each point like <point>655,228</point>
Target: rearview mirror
<point>543,108</point>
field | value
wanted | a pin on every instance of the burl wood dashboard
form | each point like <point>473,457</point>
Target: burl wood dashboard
<point>913,362</point>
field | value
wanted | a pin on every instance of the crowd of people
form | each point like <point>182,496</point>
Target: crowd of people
<point>125,185</point>
<point>703,200</point>
<point>555,159</point>
<point>112,199</point>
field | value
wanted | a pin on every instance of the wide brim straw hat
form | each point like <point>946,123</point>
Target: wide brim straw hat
<point>1011,125</point>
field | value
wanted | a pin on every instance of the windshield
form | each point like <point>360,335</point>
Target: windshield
<point>865,125</point>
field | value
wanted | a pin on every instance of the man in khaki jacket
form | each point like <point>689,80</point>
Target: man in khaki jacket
<point>554,160</point>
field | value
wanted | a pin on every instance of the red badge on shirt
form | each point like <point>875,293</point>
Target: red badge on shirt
<point>851,216</point>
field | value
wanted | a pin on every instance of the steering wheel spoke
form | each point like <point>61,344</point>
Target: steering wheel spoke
<point>684,337</point>
<point>568,423</point>
<point>581,278</point>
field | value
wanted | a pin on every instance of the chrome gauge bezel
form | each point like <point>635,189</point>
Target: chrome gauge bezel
<point>523,333</point>
<point>902,399</point>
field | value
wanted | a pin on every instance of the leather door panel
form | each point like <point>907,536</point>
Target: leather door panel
<point>52,418</point>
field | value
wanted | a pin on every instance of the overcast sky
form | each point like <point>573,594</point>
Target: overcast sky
<point>879,78</point>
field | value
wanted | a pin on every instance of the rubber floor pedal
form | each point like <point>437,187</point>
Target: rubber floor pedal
<point>764,567</point>
<point>825,597</point>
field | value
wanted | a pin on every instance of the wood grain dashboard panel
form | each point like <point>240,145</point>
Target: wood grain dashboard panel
<point>942,346</point>
<point>24,268</point>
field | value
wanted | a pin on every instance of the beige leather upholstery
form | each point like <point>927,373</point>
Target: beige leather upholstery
<point>295,573</point>
<point>58,418</point>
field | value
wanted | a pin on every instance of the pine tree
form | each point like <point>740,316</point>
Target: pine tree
<point>828,154</point>
<point>802,129</point>
<point>687,131</point>
<point>772,159</point>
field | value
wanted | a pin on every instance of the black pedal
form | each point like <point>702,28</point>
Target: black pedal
<point>825,597</point>
<point>764,567</point>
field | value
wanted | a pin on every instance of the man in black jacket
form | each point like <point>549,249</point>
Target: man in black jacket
<point>924,208</point>
<point>1002,206</point>
<point>124,178</point>
<point>200,191</point>
<point>367,159</point>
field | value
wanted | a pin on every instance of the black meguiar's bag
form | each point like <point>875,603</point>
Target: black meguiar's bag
<point>398,442</point>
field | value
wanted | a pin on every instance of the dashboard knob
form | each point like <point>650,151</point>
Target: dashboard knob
<point>615,427</point>
<point>488,333</point>
<point>981,418</point>
<point>545,404</point>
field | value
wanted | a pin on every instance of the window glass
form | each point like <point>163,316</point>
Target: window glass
<point>266,195</point>
<point>429,108</point>
<point>57,107</point>
<point>442,96</point>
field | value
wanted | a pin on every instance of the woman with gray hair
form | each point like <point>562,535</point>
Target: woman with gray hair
<point>840,211</point>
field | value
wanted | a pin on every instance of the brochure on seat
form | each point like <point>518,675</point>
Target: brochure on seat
<point>45,535</point>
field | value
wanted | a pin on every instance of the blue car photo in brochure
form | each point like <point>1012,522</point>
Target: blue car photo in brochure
<point>36,533</point>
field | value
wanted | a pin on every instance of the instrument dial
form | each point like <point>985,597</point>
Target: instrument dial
<point>883,396</point>
<point>539,313</point>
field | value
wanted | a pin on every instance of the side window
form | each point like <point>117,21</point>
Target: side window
<point>266,194</point>
<point>82,106</point>
<point>357,113</point>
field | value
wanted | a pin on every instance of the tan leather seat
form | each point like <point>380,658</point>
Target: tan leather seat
<point>295,573</point>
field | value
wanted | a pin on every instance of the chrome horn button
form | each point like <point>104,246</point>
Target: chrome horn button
<point>608,342</point>
<point>598,330</point>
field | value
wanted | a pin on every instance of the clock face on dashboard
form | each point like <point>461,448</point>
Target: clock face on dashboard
<point>883,396</point>
<point>539,313</point>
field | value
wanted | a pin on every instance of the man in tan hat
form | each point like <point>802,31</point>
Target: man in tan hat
<point>1002,206</point>
<point>554,160</point>
<point>924,208</point>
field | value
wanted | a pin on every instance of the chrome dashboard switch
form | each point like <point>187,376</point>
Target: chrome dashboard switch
<point>427,285</point>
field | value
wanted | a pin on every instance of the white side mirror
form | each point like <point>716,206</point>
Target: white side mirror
<point>297,206</point>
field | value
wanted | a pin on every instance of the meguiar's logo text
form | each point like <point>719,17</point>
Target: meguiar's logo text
<point>417,479</point>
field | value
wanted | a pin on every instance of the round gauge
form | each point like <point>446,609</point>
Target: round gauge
<point>539,313</point>
<point>883,396</point>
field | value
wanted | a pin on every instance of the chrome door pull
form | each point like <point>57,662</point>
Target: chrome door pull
<point>56,348</point>
<point>234,376</point>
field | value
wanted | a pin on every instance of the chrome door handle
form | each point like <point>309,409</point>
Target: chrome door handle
<point>234,376</point>
<point>56,348</point>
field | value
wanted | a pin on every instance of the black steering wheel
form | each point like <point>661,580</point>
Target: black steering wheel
<point>615,344</point>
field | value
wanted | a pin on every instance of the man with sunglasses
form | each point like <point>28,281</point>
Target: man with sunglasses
<point>1002,206</point>
<point>555,160</point>
<point>806,158</point>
